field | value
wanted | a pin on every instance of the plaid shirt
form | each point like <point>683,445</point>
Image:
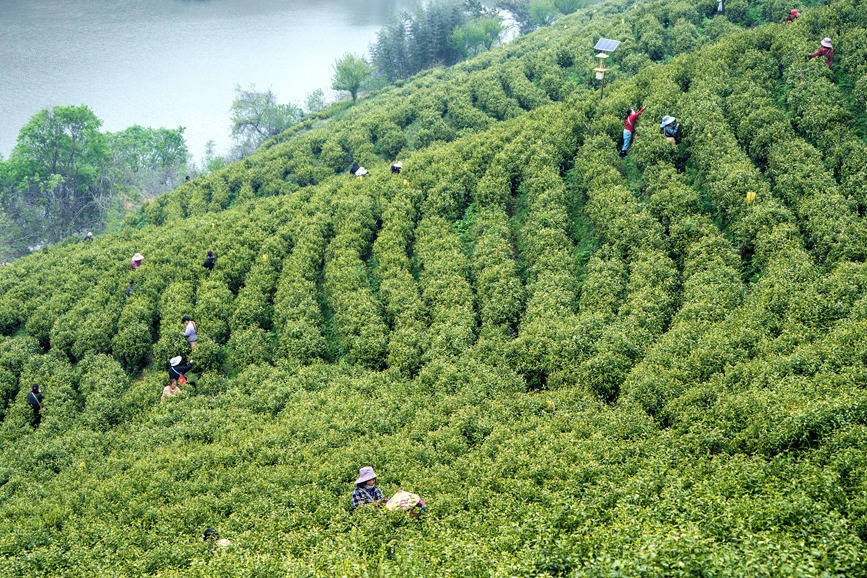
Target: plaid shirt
<point>828,53</point>
<point>362,495</point>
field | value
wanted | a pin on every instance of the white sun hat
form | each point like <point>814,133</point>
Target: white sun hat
<point>365,474</point>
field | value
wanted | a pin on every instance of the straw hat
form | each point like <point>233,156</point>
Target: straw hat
<point>794,12</point>
<point>826,42</point>
<point>175,361</point>
<point>398,165</point>
<point>361,172</point>
<point>137,257</point>
<point>666,120</point>
<point>365,474</point>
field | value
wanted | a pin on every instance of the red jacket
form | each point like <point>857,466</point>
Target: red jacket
<point>828,53</point>
<point>631,120</point>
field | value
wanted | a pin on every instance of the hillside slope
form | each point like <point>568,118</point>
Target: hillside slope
<point>584,365</point>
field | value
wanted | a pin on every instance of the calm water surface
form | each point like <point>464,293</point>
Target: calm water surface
<point>172,62</point>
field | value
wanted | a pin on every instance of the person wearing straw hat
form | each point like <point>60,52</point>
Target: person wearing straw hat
<point>396,168</point>
<point>792,16</point>
<point>177,371</point>
<point>670,129</point>
<point>136,261</point>
<point>366,491</point>
<point>826,50</point>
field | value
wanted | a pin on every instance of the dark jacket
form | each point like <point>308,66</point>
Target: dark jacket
<point>35,400</point>
<point>355,167</point>
<point>177,371</point>
<point>209,263</point>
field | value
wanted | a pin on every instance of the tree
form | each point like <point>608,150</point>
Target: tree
<point>350,72</point>
<point>54,181</point>
<point>256,117</point>
<point>315,101</point>
<point>476,35</point>
<point>542,12</point>
<point>212,161</point>
<point>149,160</point>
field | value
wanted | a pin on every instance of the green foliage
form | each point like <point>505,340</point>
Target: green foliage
<point>584,365</point>
<point>441,32</point>
<point>256,117</point>
<point>65,176</point>
<point>350,72</point>
<point>542,12</point>
<point>475,36</point>
<point>54,174</point>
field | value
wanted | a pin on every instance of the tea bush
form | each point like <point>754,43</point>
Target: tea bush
<point>584,365</point>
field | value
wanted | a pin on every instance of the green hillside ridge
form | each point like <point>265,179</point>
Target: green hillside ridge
<point>585,366</point>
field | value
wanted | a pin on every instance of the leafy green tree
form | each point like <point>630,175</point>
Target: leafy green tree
<point>256,117</point>
<point>54,181</point>
<point>149,160</point>
<point>212,161</point>
<point>542,12</point>
<point>476,35</point>
<point>350,72</point>
<point>315,101</point>
<point>420,39</point>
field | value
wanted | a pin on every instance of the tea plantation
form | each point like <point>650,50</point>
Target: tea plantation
<point>586,366</point>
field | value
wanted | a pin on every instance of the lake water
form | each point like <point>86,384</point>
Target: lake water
<point>172,62</point>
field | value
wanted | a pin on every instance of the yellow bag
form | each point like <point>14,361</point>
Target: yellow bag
<point>402,500</point>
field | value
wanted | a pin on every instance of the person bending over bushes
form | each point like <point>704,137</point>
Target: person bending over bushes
<point>366,491</point>
<point>177,371</point>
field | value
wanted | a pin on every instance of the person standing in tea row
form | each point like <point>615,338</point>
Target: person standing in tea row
<point>191,332</point>
<point>34,399</point>
<point>629,130</point>
<point>210,261</point>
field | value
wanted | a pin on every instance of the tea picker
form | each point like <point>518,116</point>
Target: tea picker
<point>210,261</point>
<point>396,168</point>
<point>213,537</point>
<point>191,332</point>
<point>670,129</point>
<point>366,491</point>
<point>34,399</point>
<point>792,16</point>
<point>826,50</point>
<point>171,389</point>
<point>177,371</point>
<point>629,130</point>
